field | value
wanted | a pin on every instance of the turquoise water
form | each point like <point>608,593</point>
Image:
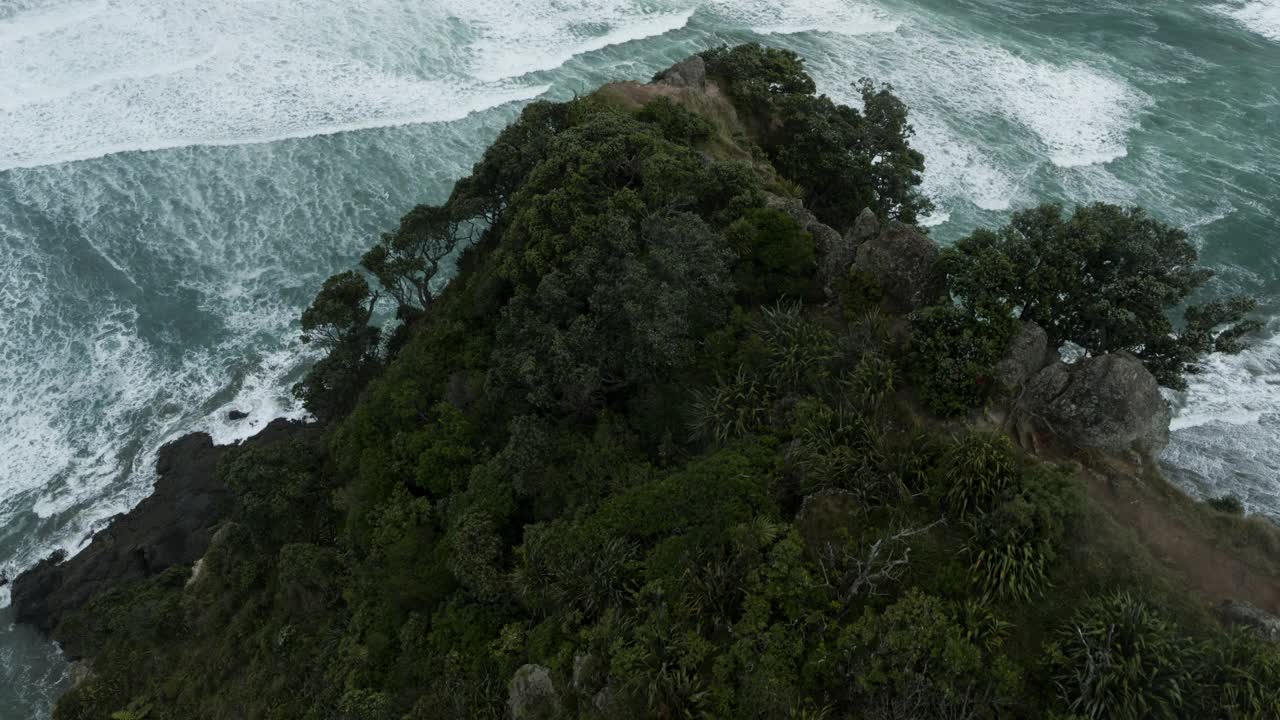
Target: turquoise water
<point>177,178</point>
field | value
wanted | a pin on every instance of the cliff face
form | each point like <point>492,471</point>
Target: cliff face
<point>171,527</point>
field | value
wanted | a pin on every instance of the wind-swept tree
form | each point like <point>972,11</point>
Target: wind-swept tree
<point>1105,278</point>
<point>338,322</point>
<point>407,262</point>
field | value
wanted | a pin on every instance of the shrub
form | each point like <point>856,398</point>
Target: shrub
<point>775,257</point>
<point>872,381</point>
<point>1119,658</point>
<point>799,350</point>
<point>953,357</point>
<point>841,449</point>
<point>735,407</point>
<point>976,472</point>
<point>678,124</point>
<point>916,660</point>
<point>1018,512</point>
<point>1238,675</point>
<point>1229,504</point>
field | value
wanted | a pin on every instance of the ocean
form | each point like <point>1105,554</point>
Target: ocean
<point>177,178</point>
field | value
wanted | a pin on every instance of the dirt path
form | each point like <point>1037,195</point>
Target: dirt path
<point>1211,571</point>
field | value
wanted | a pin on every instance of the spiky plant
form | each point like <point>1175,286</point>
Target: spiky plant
<point>734,407</point>
<point>800,350</point>
<point>976,471</point>
<point>1120,659</point>
<point>872,381</point>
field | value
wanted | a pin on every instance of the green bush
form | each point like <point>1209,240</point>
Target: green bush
<point>976,472</point>
<point>1238,677</point>
<point>917,660</point>
<point>799,350</point>
<point>1119,658</point>
<point>775,257</point>
<point>678,124</point>
<point>1229,504</point>
<point>953,357</point>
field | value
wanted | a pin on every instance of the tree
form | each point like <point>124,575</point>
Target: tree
<point>340,310</point>
<point>848,160</point>
<point>1105,279</point>
<point>408,261</point>
<point>338,321</point>
<point>845,159</point>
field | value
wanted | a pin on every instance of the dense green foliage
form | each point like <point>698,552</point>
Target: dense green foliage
<point>845,159</point>
<point>1105,279</point>
<point>626,444</point>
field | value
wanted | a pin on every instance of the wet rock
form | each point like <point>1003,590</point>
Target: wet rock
<point>1110,403</point>
<point>235,415</point>
<point>902,259</point>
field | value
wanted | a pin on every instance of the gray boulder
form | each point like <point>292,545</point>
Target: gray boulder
<point>1028,354</point>
<point>835,252</point>
<point>532,694</point>
<point>690,72</point>
<point>902,260</point>
<point>1110,403</point>
<point>866,227</point>
<point>1237,613</point>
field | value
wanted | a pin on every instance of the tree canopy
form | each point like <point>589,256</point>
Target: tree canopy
<point>1106,278</point>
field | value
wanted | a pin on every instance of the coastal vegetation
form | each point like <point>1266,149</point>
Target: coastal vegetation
<point>643,456</point>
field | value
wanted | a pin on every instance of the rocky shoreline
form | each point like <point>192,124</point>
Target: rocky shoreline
<point>172,526</point>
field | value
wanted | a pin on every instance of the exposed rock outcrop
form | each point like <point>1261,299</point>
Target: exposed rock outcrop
<point>1237,613</point>
<point>902,260</point>
<point>173,526</point>
<point>866,227</point>
<point>1110,403</point>
<point>690,72</point>
<point>1028,354</point>
<point>835,252</point>
<point>532,694</point>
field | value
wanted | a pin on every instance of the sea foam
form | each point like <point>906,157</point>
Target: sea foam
<point>170,74</point>
<point>1260,16</point>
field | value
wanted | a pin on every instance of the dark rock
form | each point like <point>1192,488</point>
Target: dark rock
<point>173,526</point>
<point>1110,403</point>
<point>835,253</point>
<point>866,227</point>
<point>690,72</point>
<point>1028,354</point>
<point>532,694</point>
<point>902,260</point>
<point>234,415</point>
<point>1237,613</point>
